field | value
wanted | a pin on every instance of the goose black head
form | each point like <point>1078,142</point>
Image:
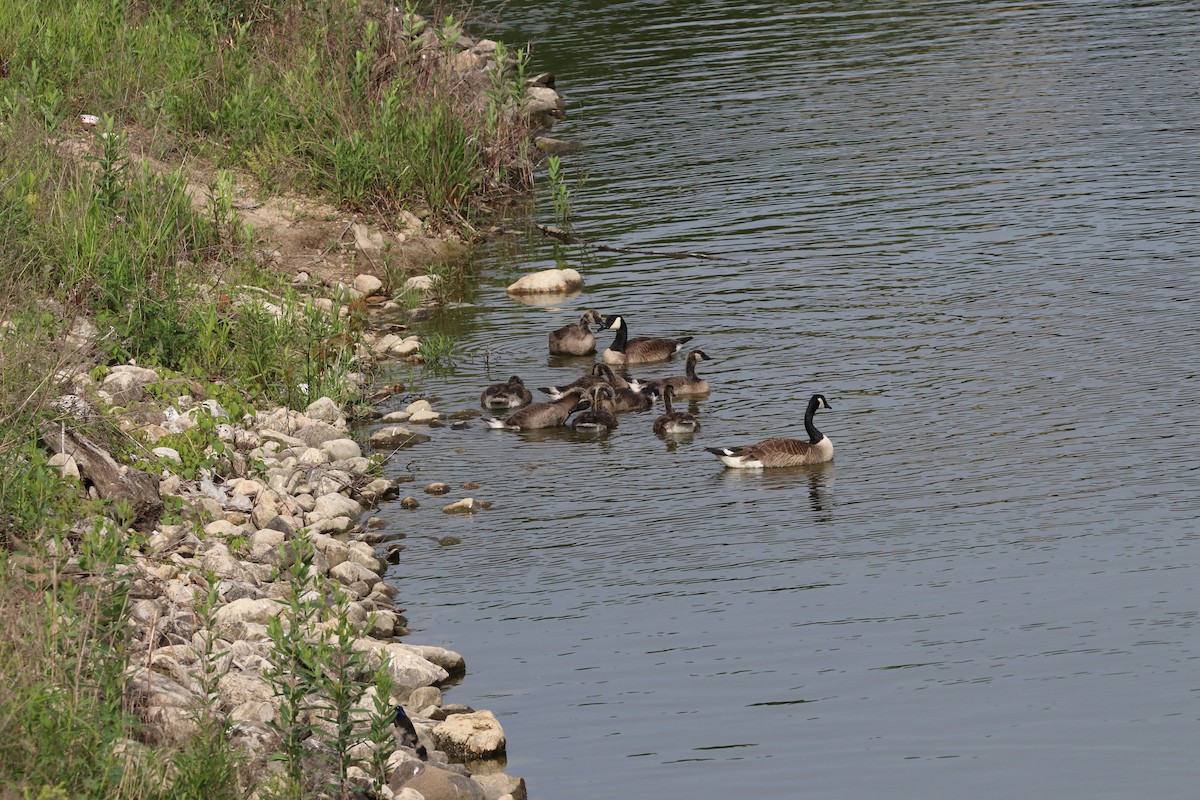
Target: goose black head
<point>614,322</point>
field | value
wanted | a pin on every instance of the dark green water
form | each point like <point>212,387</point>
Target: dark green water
<point>974,227</point>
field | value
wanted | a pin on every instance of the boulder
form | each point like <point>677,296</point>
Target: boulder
<point>258,612</point>
<point>547,281</point>
<point>434,783</point>
<point>409,670</point>
<point>341,449</point>
<point>324,410</point>
<point>397,437</point>
<point>367,285</point>
<point>471,736</point>
<point>333,504</point>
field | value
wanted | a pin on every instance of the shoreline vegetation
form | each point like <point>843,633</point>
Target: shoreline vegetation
<point>217,218</point>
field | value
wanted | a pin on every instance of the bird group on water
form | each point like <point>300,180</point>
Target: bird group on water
<point>598,396</point>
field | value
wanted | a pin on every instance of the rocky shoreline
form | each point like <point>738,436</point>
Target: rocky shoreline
<point>205,591</point>
<point>252,566</point>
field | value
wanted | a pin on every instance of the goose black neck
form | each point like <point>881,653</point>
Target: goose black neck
<point>689,369</point>
<point>666,396</point>
<point>814,435</point>
<point>618,344</point>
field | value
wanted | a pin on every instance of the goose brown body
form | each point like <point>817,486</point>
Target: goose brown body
<point>511,394</point>
<point>577,338</point>
<point>781,452</point>
<point>600,373</point>
<point>599,417</point>
<point>632,400</point>
<point>639,350</point>
<point>673,421</point>
<point>687,384</point>
<point>542,415</point>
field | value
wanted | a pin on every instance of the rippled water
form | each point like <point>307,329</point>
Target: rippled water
<point>974,228</point>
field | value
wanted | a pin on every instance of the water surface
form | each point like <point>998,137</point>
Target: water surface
<point>974,228</point>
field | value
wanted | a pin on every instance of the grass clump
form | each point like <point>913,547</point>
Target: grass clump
<point>360,100</point>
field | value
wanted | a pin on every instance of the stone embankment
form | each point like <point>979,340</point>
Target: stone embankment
<point>206,588</point>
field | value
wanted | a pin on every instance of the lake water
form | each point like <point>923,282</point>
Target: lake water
<point>975,227</point>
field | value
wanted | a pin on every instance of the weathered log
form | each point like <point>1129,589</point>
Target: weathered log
<point>112,481</point>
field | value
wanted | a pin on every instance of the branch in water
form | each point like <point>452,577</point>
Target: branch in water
<point>570,238</point>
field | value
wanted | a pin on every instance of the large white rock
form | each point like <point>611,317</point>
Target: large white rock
<point>334,504</point>
<point>471,736</point>
<point>342,449</point>
<point>409,670</point>
<point>325,410</point>
<point>367,285</point>
<point>257,612</point>
<point>547,281</point>
<point>397,436</point>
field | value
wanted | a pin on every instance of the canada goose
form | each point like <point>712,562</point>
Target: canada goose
<point>599,417</point>
<point>408,733</point>
<point>782,452</point>
<point>600,373</point>
<point>688,383</point>
<point>542,415</point>
<point>630,400</point>
<point>673,421</point>
<point>506,395</point>
<point>576,339</point>
<point>642,350</point>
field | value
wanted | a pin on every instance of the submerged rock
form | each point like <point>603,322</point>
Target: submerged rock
<point>547,281</point>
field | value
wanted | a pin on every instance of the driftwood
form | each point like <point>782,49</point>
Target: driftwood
<point>111,480</point>
<point>570,238</point>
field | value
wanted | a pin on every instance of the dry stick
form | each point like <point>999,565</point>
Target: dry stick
<point>570,238</point>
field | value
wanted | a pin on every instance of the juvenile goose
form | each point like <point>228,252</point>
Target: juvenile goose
<point>599,417</point>
<point>576,339</point>
<point>542,415</point>
<point>600,373</point>
<point>506,395</point>
<point>640,350</point>
<point>688,383</point>
<point>673,421</point>
<point>630,400</point>
<point>782,452</point>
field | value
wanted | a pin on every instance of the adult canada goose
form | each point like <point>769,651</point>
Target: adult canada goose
<point>506,395</point>
<point>688,383</point>
<point>673,421</point>
<point>640,350</point>
<point>599,417</point>
<point>408,733</point>
<point>542,415</point>
<point>600,373</point>
<point>576,339</point>
<point>782,452</point>
<point>630,400</point>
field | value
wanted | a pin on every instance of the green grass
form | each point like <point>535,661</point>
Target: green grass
<point>336,96</point>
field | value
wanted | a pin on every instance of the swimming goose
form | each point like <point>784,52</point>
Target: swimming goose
<point>600,373</point>
<point>782,452</point>
<point>542,415</point>
<point>506,395</point>
<point>630,400</point>
<point>673,421</point>
<point>576,339</point>
<point>641,350</point>
<point>688,383</point>
<point>599,417</point>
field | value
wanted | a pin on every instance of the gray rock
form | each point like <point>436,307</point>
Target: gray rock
<point>349,573</point>
<point>496,785</point>
<point>331,505</point>
<point>434,783</point>
<point>325,410</point>
<point>471,736</point>
<point>367,285</point>
<point>341,449</point>
<point>396,436</point>
<point>258,612</point>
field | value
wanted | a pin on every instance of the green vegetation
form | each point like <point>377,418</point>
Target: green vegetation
<point>122,242</point>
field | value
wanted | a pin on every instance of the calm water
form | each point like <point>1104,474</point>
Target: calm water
<point>974,227</point>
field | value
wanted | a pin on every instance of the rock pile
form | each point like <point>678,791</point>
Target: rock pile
<point>216,592</point>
